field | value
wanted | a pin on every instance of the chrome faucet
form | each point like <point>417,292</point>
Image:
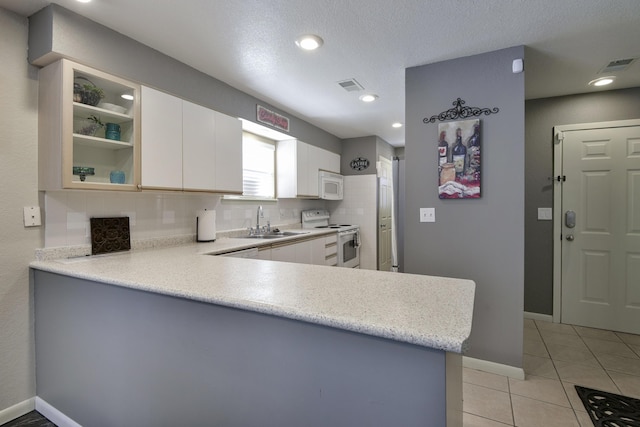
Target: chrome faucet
<point>258,219</point>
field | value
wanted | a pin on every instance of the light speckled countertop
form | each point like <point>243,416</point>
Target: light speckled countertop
<point>428,311</point>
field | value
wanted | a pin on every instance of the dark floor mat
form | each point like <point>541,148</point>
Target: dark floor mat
<point>32,419</point>
<point>610,410</point>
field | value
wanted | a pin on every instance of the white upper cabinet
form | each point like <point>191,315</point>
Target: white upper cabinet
<point>228,166</point>
<point>292,177</point>
<point>161,140</point>
<point>201,149</point>
<point>89,136</point>
<point>298,165</point>
<point>198,147</point>
<point>328,161</point>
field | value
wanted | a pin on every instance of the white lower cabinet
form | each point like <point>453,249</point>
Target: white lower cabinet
<point>286,253</point>
<point>243,253</point>
<point>264,253</point>
<point>317,251</point>
<point>311,251</point>
<point>331,250</point>
<point>304,252</point>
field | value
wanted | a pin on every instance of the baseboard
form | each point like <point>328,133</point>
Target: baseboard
<point>17,410</point>
<point>55,416</point>
<point>538,316</point>
<point>493,368</point>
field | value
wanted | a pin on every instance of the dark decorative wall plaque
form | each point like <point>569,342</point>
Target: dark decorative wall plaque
<point>460,112</point>
<point>359,164</point>
<point>109,235</point>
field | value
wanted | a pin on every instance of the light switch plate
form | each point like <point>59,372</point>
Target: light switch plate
<point>545,214</point>
<point>427,214</point>
<point>32,216</point>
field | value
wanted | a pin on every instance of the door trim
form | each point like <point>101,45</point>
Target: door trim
<point>557,201</point>
<point>379,240</point>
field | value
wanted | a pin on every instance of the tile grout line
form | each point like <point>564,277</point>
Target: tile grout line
<point>513,415</point>
<point>555,368</point>
<point>562,383</point>
<point>607,371</point>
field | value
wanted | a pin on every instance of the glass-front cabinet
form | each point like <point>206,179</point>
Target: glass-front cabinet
<point>89,129</point>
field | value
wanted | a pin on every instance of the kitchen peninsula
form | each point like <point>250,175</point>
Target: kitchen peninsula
<point>174,336</point>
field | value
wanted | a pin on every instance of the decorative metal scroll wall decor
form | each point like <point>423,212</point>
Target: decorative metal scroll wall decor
<point>460,112</point>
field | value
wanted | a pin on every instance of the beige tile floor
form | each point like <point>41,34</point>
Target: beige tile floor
<point>556,357</point>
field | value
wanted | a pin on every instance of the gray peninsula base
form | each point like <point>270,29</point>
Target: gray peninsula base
<point>113,356</point>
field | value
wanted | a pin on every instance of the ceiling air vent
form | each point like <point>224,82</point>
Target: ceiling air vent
<point>618,65</point>
<point>351,85</point>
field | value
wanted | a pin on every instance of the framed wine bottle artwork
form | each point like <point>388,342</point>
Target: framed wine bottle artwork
<point>459,163</point>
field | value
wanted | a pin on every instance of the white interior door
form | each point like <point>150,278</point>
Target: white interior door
<point>600,254</point>
<point>385,222</point>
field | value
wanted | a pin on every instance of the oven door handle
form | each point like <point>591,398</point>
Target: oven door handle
<point>356,239</point>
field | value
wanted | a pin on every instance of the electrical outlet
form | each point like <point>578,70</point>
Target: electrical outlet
<point>427,214</point>
<point>32,216</point>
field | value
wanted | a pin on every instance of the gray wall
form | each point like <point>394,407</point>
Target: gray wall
<point>56,32</point>
<point>352,148</point>
<point>367,147</point>
<point>480,239</point>
<point>541,116</point>
<point>19,177</point>
<point>384,149</point>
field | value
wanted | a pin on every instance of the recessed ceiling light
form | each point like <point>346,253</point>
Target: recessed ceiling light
<point>84,1</point>
<point>396,125</point>
<point>368,98</point>
<point>309,42</point>
<point>602,81</point>
<point>127,96</point>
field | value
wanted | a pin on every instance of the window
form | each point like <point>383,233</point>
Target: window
<point>258,166</point>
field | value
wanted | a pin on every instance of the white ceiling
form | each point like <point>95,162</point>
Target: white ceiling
<point>249,44</point>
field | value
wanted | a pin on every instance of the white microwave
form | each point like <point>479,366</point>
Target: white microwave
<point>330,185</point>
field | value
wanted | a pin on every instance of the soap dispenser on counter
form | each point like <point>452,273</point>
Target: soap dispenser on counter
<point>206,226</point>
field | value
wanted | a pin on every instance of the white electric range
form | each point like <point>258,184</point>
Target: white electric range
<point>348,236</point>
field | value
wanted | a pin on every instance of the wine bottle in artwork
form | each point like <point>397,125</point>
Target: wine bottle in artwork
<point>443,149</point>
<point>459,154</point>
<point>473,153</point>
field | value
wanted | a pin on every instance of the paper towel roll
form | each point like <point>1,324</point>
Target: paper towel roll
<point>206,226</point>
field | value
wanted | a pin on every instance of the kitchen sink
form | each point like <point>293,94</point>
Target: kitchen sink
<point>274,234</point>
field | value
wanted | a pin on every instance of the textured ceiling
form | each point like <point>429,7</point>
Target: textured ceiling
<point>249,44</point>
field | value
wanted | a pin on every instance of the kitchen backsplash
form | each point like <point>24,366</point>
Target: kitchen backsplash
<point>156,215</point>
<point>172,215</point>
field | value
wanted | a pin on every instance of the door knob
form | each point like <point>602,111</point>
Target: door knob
<point>570,237</point>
